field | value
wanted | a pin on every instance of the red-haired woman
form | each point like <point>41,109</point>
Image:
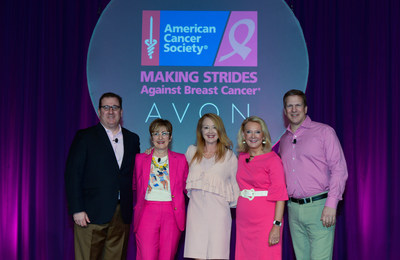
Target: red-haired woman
<point>212,190</point>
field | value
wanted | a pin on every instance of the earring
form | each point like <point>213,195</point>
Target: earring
<point>264,142</point>
<point>244,142</point>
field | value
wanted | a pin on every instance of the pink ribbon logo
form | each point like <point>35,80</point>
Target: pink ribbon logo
<point>240,48</point>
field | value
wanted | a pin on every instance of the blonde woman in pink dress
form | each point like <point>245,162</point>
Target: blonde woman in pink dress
<point>212,189</point>
<point>259,213</point>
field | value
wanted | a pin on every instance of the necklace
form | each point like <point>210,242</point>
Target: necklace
<point>162,165</point>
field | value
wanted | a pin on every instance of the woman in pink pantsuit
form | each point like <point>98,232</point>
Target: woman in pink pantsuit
<point>159,180</point>
<point>260,207</point>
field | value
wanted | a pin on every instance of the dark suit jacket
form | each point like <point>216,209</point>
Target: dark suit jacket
<point>178,172</point>
<point>93,178</point>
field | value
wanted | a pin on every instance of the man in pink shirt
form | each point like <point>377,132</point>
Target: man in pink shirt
<point>316,174</point>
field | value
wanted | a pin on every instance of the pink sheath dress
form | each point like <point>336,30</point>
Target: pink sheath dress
<point>254,218</point>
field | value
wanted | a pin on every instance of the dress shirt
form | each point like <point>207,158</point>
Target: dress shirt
<point>118,147</point>
<point>314,162</point>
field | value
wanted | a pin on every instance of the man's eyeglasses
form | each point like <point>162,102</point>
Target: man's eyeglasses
<point>114,107</point>
<point>157,134</point>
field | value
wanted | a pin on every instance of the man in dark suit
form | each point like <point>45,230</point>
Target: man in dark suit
<point>98,182</point>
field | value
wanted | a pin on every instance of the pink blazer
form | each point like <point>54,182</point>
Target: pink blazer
<point>178,172</point>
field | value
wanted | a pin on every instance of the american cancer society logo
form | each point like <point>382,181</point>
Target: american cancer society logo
<point>199,38</point>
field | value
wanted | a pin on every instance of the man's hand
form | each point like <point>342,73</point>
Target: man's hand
<point>148,150</point>
<point>328,217</point>
<point>81,219</point>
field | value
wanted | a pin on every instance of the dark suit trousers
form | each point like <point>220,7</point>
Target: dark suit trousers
<point>106,241</point>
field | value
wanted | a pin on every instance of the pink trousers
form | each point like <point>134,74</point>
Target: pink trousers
<point>157,236</point>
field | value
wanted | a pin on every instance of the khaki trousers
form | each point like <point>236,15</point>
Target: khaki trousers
<point>102,242</point>
<point>310,239</point>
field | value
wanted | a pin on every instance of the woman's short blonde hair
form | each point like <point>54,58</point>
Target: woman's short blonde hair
<point>242,146</point>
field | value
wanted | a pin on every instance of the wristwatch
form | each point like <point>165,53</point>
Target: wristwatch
<point>278,223</point>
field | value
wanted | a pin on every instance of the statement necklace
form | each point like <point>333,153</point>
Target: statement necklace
<point>162,165</point>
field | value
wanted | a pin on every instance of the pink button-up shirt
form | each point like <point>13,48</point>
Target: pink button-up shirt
<point>314,162</point>
<point>118,146</point>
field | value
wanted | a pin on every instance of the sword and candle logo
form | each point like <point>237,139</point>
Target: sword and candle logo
<point>150,42</point>
<point>150,38</point>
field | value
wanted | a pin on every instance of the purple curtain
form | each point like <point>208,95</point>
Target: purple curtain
<point>353,86</point>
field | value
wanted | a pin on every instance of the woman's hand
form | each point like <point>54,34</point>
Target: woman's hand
<point>274,235</point>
